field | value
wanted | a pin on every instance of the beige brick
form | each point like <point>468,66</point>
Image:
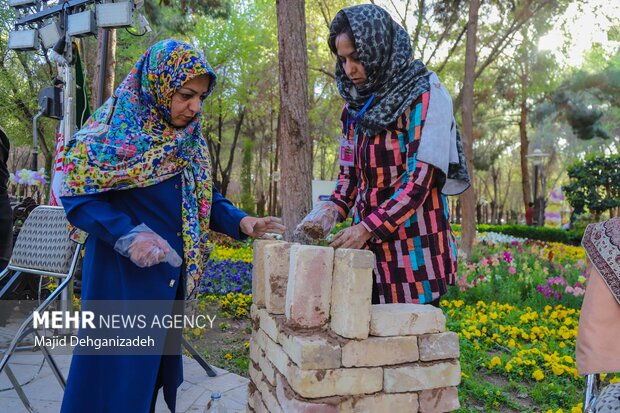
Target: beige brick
<point>311,352</point>
<point>260,391</point>
<point>309,289</point>
<point>292,404</point>
<point>421,377</point>
<point>254,317</point>
<point>255,374</point>
<point>274,353</point>
<point>380,351</point>
<point>268,324</point>
<point>277,262</point>
<point>254,350</point>
<point>259,406</point>
<point>252,395</point>
<point>258,271</point>
<point>254,310</point>
<point>260,338</point>
<point>388,403</point>
<point>439,346</point>
<point>268,395</point>
<point>405,320</point>
<point>268,370</point>
<point>439,400</point>
<point>338,382</point>
<point>351,293</point>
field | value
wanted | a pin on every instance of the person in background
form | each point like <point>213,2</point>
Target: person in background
<point>6,212</point>
<point>530,212</point>
<point>400,155</point>
<point>138,180</point>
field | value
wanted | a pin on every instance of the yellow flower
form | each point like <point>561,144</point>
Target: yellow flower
<point>495,361</point>
<point>538,375</point>
<point>246,344</point>
<point>228,356</point>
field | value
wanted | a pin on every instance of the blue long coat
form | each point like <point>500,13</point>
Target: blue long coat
<point>119,383</point>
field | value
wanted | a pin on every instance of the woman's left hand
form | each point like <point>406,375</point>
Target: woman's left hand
<point>353,237</point>
<point>257,227</point>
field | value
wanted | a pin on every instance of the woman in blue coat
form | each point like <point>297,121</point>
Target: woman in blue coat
<point>138,181</point>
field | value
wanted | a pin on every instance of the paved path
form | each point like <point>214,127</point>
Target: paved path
<point>45,394</point>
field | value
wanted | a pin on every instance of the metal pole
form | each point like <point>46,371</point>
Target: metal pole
<point>543,194</point>
<point>103,67</point>
<point>66,297</point>
<point>35,139</point>
<point>535,192</point>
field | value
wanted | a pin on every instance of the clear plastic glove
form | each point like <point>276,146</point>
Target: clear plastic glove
<point>145,248</point>
<point>320,221</point>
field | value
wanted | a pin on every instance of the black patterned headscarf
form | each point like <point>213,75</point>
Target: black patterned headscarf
<point>393,76</point>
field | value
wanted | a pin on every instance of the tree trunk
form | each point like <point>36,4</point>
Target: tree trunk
<point>525,174</point>
<point>296,146</point>
<point>227,171</point>
<point>468,198</point>
<point>106,66</point>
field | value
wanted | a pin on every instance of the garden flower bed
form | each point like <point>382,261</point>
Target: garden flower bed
<point>515,309</point>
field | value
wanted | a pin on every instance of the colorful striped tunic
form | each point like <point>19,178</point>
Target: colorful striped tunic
<point>399,200</point>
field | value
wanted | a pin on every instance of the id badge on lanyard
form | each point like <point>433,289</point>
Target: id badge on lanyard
<point>347,150</point>
<point>347,141</point>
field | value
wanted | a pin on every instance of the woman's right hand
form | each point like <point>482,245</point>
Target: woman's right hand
<point>148,249</point>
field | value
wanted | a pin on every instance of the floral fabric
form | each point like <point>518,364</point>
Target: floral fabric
<point>129,142</point>
<point>602,244</point>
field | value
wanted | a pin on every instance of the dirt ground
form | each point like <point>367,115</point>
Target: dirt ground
<point>226,345</point>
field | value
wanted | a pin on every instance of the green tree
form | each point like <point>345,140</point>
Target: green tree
<point>587,100</point>
<point>595,184</point>
<point>22,75</point>
<point>242,50</point>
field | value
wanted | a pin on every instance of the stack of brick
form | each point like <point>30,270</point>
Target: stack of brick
<point>319,346</point>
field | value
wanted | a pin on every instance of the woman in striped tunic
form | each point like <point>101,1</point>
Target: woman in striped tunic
<point>400,156</point>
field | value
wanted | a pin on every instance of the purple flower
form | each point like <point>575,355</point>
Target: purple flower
<point>222,277</point>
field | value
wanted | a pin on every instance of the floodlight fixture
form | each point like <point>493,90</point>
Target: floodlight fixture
<point>50,34</point>
<point>50,102</point>
<point>23,39</point>
<point>81,24</point>
<point>115,14</point>
<point>22,3</point>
